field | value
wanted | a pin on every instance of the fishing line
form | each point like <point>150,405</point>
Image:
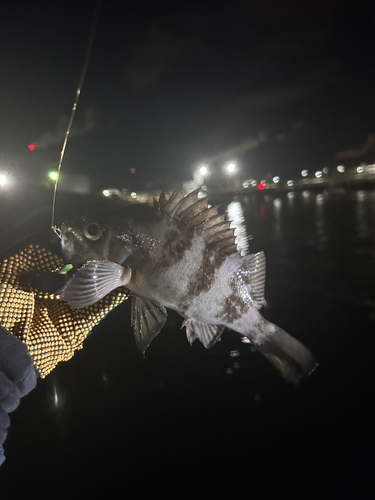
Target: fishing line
<point>78,93</point>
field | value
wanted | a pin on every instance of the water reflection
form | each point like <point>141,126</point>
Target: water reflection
<point>277,205</point>
<point>320,225</point>
<point>236,216</point>
<point>57,399</point>
<point>306,195</point>
<point>361,215</point>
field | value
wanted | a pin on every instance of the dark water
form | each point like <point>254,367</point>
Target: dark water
<point>194,422</point>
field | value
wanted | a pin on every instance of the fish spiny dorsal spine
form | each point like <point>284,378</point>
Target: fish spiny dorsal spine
<point>196,214</point>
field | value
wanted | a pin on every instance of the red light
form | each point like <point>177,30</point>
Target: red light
<point>132,170</point>
<point>31,147</point>
<point>261,186</point>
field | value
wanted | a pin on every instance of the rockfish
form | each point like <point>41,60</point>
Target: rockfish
<point>179,254</point>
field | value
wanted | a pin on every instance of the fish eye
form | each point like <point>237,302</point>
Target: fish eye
<point>92,231</point>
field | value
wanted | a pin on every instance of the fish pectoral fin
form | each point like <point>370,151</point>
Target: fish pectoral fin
<point>147,318</point>
<point>207,334</point>
<point>93,281</point>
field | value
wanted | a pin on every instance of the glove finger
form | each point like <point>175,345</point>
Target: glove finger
<point>4,420</point>
<point>5,385</point>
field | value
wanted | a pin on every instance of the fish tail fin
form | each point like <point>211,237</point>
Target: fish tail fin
<point>287,355</point>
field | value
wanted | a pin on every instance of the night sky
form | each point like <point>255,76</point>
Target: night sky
<point>277,86</point>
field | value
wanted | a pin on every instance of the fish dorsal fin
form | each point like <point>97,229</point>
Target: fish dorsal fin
<point>162,201</point>
<point>207,334</point>
<point>205,220</point>
<point>173,201</point>
<point>255,267</point>
<point>147,318</point>
<point>93,281</point>
<point>184,204</point>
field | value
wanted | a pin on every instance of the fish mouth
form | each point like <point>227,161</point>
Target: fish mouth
<point>73,244</point>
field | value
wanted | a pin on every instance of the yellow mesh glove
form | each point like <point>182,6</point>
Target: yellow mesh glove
<point>51,330</point>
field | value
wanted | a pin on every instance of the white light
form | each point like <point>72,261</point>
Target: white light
<point>203,170</point>
<point>231,167</point>
<point>325,170</point>
<point>246,184</point>
<point>106,192</point>
<point>3,180</point>
<point>360,169</point>
<point>318,174</point>
<point>290,183</point>
<point>276,179</point>
<point>253,182</point>
<point>341,169</point>
<point>305,173</point>
<point>133,195</point>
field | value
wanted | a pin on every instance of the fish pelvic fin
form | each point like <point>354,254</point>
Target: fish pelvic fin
<point>287,355</point>
<point>93,281</point>
<point>147,319</point>
<point>207,334</point>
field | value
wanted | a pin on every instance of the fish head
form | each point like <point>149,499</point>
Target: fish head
<point>93,237</point>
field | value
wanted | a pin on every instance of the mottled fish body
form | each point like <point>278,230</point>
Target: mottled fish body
<point>180,254</point>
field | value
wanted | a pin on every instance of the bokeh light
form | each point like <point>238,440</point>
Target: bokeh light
<point>53,175</point>
<point>4,180</point>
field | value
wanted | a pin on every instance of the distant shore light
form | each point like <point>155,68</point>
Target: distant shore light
<point>341,169</point>
<point>203,170</point>
<point>3,180</point>
<point>231,167</point>
<point>290,183</point>
<point>53,175</point>
<point>318,174</point>
<point>276,179</point>
<point>305,173</point>
<point>360,169</point>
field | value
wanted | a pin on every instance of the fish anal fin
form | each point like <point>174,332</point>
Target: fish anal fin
<point>147,318</point>
<point>207,334</point>
<point>93,281</point>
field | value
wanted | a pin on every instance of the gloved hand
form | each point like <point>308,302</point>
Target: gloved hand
<point>17,378</point>
<point>40,329</point>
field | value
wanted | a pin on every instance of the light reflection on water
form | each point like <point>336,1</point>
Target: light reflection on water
<point>320,223</point>
<point>236,216</point>
<point>277,206</point>
<point>361,222</point>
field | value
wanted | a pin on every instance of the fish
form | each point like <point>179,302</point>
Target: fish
<point>179,253</point>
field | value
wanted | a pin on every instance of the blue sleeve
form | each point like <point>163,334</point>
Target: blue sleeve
<point>17,378</point>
